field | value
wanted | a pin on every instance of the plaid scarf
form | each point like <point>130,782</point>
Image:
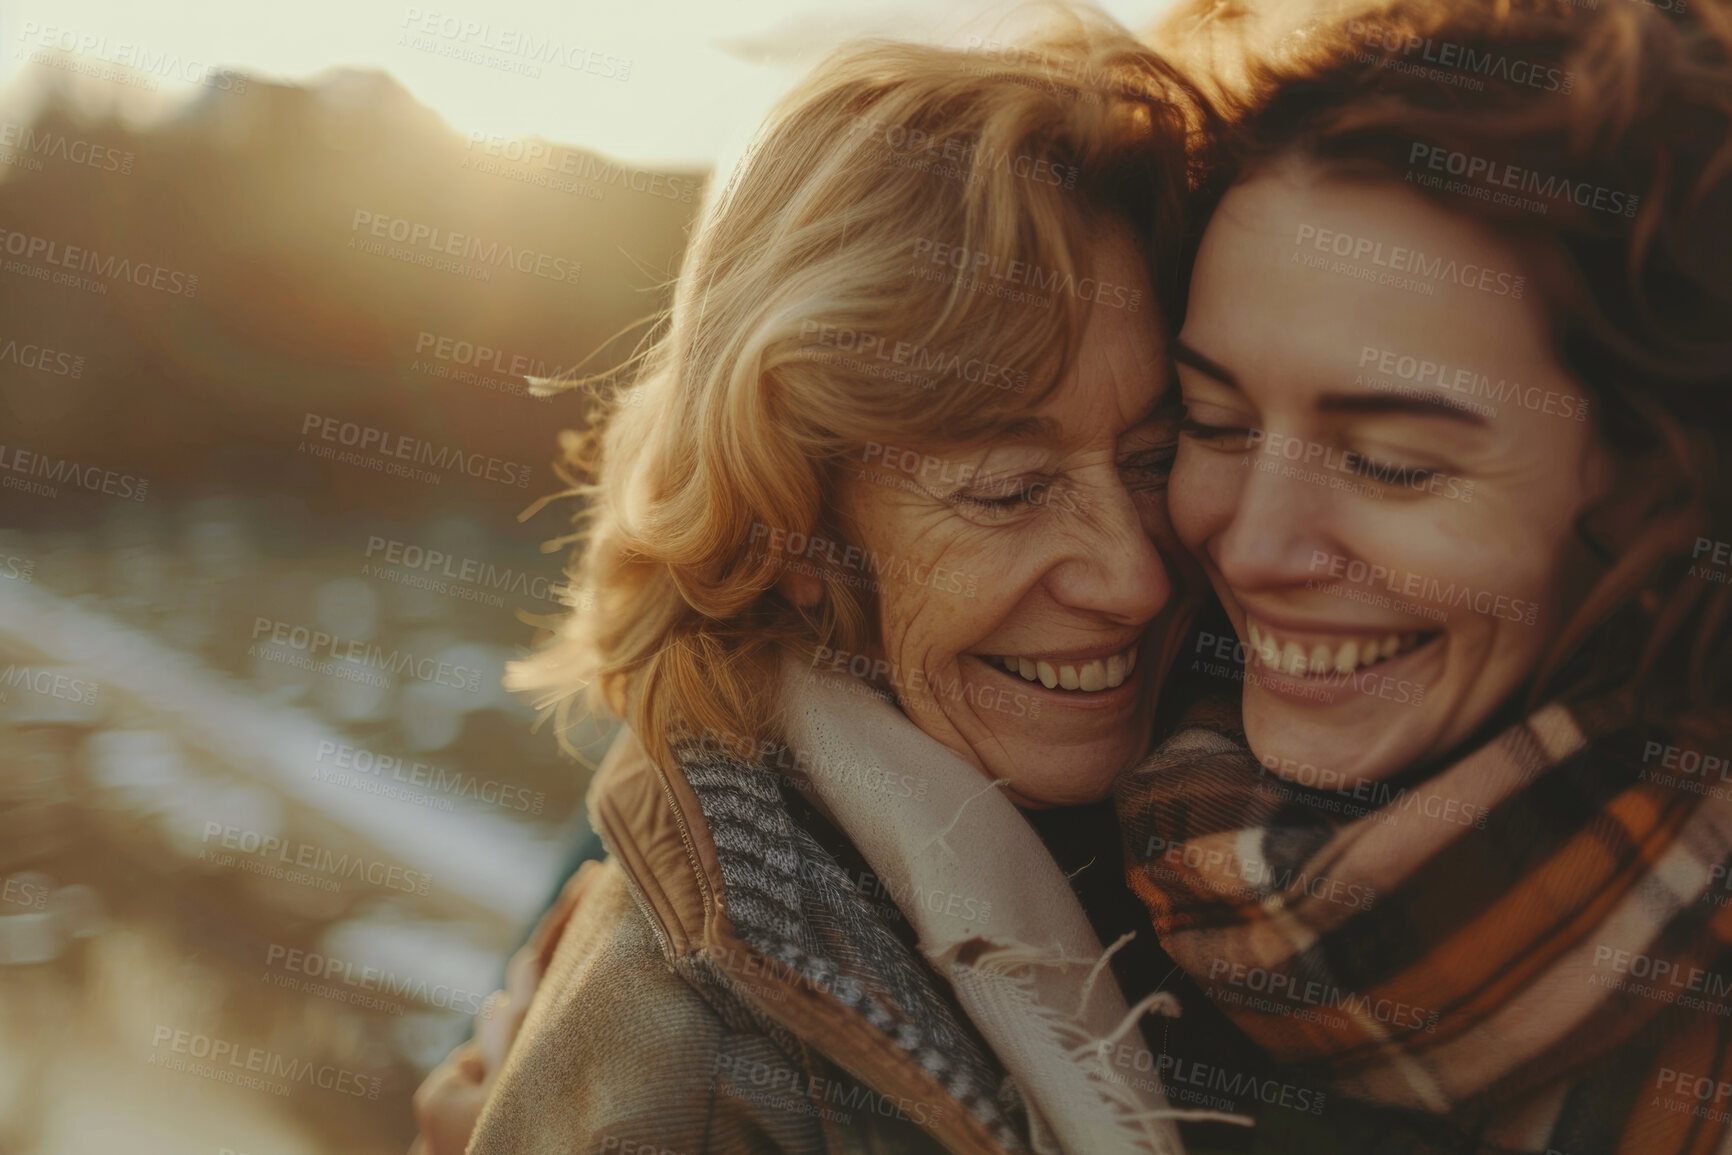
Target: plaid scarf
<point>1531,942</point>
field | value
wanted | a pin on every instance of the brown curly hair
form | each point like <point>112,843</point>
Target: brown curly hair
<point>1624,106</point>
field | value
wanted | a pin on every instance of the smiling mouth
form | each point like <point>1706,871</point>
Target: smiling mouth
<point>1086,676</point>
<point>1285,654</point>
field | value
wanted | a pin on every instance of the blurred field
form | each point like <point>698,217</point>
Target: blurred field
<point>268,824</point>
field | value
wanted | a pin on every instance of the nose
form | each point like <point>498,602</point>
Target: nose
<point>1278,527</point>
<point>1112,565</point>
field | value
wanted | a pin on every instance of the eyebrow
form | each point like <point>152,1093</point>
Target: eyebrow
<point>1186,355</point>
<point>1420,403</point>
<point>1027,429</point>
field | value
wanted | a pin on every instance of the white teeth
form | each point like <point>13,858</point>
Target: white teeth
<point>1090,676</point>
<point>1291,657</point>
<point>1321,659</point>
<point>1347,658</point>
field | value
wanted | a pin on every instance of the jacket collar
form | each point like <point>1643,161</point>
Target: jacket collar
<point>860,998</point>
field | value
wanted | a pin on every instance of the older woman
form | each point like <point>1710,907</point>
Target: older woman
<point>1457,369</point>
<point>878,566</point>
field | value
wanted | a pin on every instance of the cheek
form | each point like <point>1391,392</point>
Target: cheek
<point>939,594</point>
<point>1482,564</point>
<point>1200,496</point>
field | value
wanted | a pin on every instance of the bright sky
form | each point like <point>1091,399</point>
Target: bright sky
<point>650,80</point>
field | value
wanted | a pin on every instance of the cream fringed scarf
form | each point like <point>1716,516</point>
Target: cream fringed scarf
<point>1026,967</point>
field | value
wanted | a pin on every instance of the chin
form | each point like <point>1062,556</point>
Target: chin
<point>1063,779</point>
<point>1300,748</point>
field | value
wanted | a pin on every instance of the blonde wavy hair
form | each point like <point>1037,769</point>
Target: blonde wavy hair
<point>741,413</point>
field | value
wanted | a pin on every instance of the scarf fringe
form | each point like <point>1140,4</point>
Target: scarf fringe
<point>939,838</point>
<point>1012,966</point>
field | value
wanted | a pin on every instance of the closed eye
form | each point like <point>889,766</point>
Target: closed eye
<point>1229,437</point>
<point>1390,473</point>
<point>999,495</point>
<point>1149,469</point>
<point>1008,501</point>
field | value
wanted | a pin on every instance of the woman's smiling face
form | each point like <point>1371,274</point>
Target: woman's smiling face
<point>1023,592</point>
<point>1381,468</point>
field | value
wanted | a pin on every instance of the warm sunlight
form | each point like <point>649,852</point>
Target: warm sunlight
<point>616,78</point>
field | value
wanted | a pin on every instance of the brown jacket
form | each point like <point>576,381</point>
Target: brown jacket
<point>725,985</point>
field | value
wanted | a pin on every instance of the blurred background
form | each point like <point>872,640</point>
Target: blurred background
<point>272,281</point>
